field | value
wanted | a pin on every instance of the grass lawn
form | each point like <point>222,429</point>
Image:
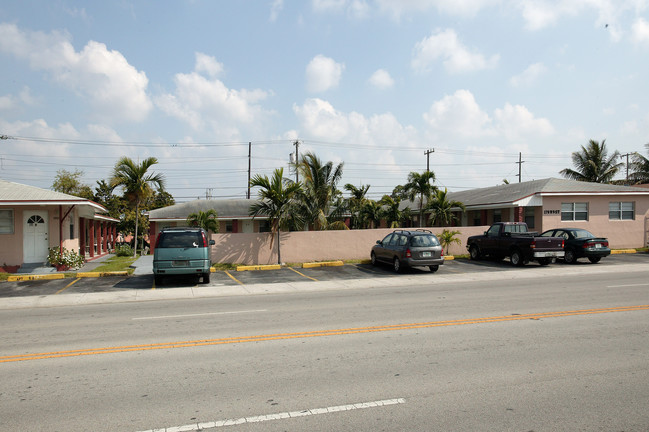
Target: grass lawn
<point>116,263</point>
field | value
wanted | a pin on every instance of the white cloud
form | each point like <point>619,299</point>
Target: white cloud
<point>204,101</point>
<point>329,5</point>
<point>323,73</point>
<point>208,64</point>
<point>105,78</point>
<point>275,8</point>
<point>444,45</point>
<point>640,31</point>
<point>319,119</point>
<point>529,76</point>
<point>457,7</point>
<point>516,122</point>
<point>381,79</point>
<point>458,114</point>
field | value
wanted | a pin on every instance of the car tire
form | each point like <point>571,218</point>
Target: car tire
<point>158,280</point>
<point>373,258</point>
<point>474,253</point>
<point>569,256</point>
<point>517,258</point>
<point>206,278</point>
<point>594,260</point>
<point>396,265</point>
<point>433,268</point>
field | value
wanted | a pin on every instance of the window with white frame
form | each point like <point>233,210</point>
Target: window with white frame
<point>621,210</point>
<point>575,211</point>
<point>6,221</point>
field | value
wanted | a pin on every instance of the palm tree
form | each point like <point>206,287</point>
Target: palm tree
<point>391,212</point>
<point>319,190</point>
<point>372,212</point>
<point>592,164</point>
<point>640,167</point>
<point>275,201</point>
<point>442,208</point>
<point>137,183</point>
<point>355,203</point>
<point>446,238</point>
<point>419,186</point>
<point>208,220</point>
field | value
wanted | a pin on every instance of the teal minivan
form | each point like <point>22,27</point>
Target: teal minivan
<point>182,251</point>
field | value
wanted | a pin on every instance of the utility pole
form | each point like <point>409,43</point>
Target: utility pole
<point>297,161</point>
<point>249,159</point>
<point>520,165</point>
<point>627,166</point>
<point>427,153</point>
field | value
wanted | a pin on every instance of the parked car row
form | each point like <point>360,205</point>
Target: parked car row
<point>513,240</point>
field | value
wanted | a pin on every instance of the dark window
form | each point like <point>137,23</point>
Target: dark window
<point>621,210</point>
<point>577,211</point>
<point>182,239</point>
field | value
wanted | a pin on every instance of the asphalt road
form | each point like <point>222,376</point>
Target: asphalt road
<point>561,348</point>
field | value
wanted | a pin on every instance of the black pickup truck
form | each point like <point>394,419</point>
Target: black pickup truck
<point>513,240</point>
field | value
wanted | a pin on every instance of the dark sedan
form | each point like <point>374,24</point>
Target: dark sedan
<point>580,243</point>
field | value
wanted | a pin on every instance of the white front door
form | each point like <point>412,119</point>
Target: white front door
<point>35,230</point>
<point>247,226</point>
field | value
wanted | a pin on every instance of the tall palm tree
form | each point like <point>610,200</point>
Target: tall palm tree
<point>593,164</point>
<point>208,220</point>
<point>356,202</point>
<point>419,186</point>
<point>640,168</point>
<point>137,182</point>
<point>275,201</point>
<point>442,208</point>
<point>320,183</point>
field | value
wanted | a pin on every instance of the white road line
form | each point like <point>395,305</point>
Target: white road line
<point>278,416</point>
<point>197,315</point>
<point>629,285</point>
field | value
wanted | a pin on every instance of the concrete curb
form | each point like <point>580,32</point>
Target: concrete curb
<point>21,278</point>
<point>259,267</point>
<point>101,274</point>
<point>323,264</point>
<point>623,251</point>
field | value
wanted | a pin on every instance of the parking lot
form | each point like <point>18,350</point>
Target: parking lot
<point>287,275</point>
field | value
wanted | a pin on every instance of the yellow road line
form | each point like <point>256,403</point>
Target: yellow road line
<point>302,274</point>
<point>68,286</point>
<point>317,333</point>
<point>233,278</point>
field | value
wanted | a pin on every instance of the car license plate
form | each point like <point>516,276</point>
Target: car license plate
<point>598,245</point>
<point>180,263</point>
<point>426,254</point>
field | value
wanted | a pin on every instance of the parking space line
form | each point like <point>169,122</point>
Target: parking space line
<point>281,416</point>
<point>302,274</point>
<point>68,286</point>
<point>233,278</point>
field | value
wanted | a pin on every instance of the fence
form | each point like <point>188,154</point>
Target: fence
<point>309,246</point>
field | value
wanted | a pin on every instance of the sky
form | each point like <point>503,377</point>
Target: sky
<point>209,88</point>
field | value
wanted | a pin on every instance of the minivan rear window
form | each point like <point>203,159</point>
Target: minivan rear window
<point>424,241</point>
<point>181,239</point>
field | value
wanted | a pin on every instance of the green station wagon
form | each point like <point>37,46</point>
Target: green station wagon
<point>182,251</point>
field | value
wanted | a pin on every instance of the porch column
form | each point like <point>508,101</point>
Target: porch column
<point>98,237</point>
<point>152,236</point>
<point>91,240</point>
<point>520,212</point>
<point>104,243</point>
<point>82,237</point>
<point>483,217</point>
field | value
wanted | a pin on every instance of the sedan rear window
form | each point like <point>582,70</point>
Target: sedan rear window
<point>182,239</point>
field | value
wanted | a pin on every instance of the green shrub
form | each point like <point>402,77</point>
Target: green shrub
<point>124,250</point>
